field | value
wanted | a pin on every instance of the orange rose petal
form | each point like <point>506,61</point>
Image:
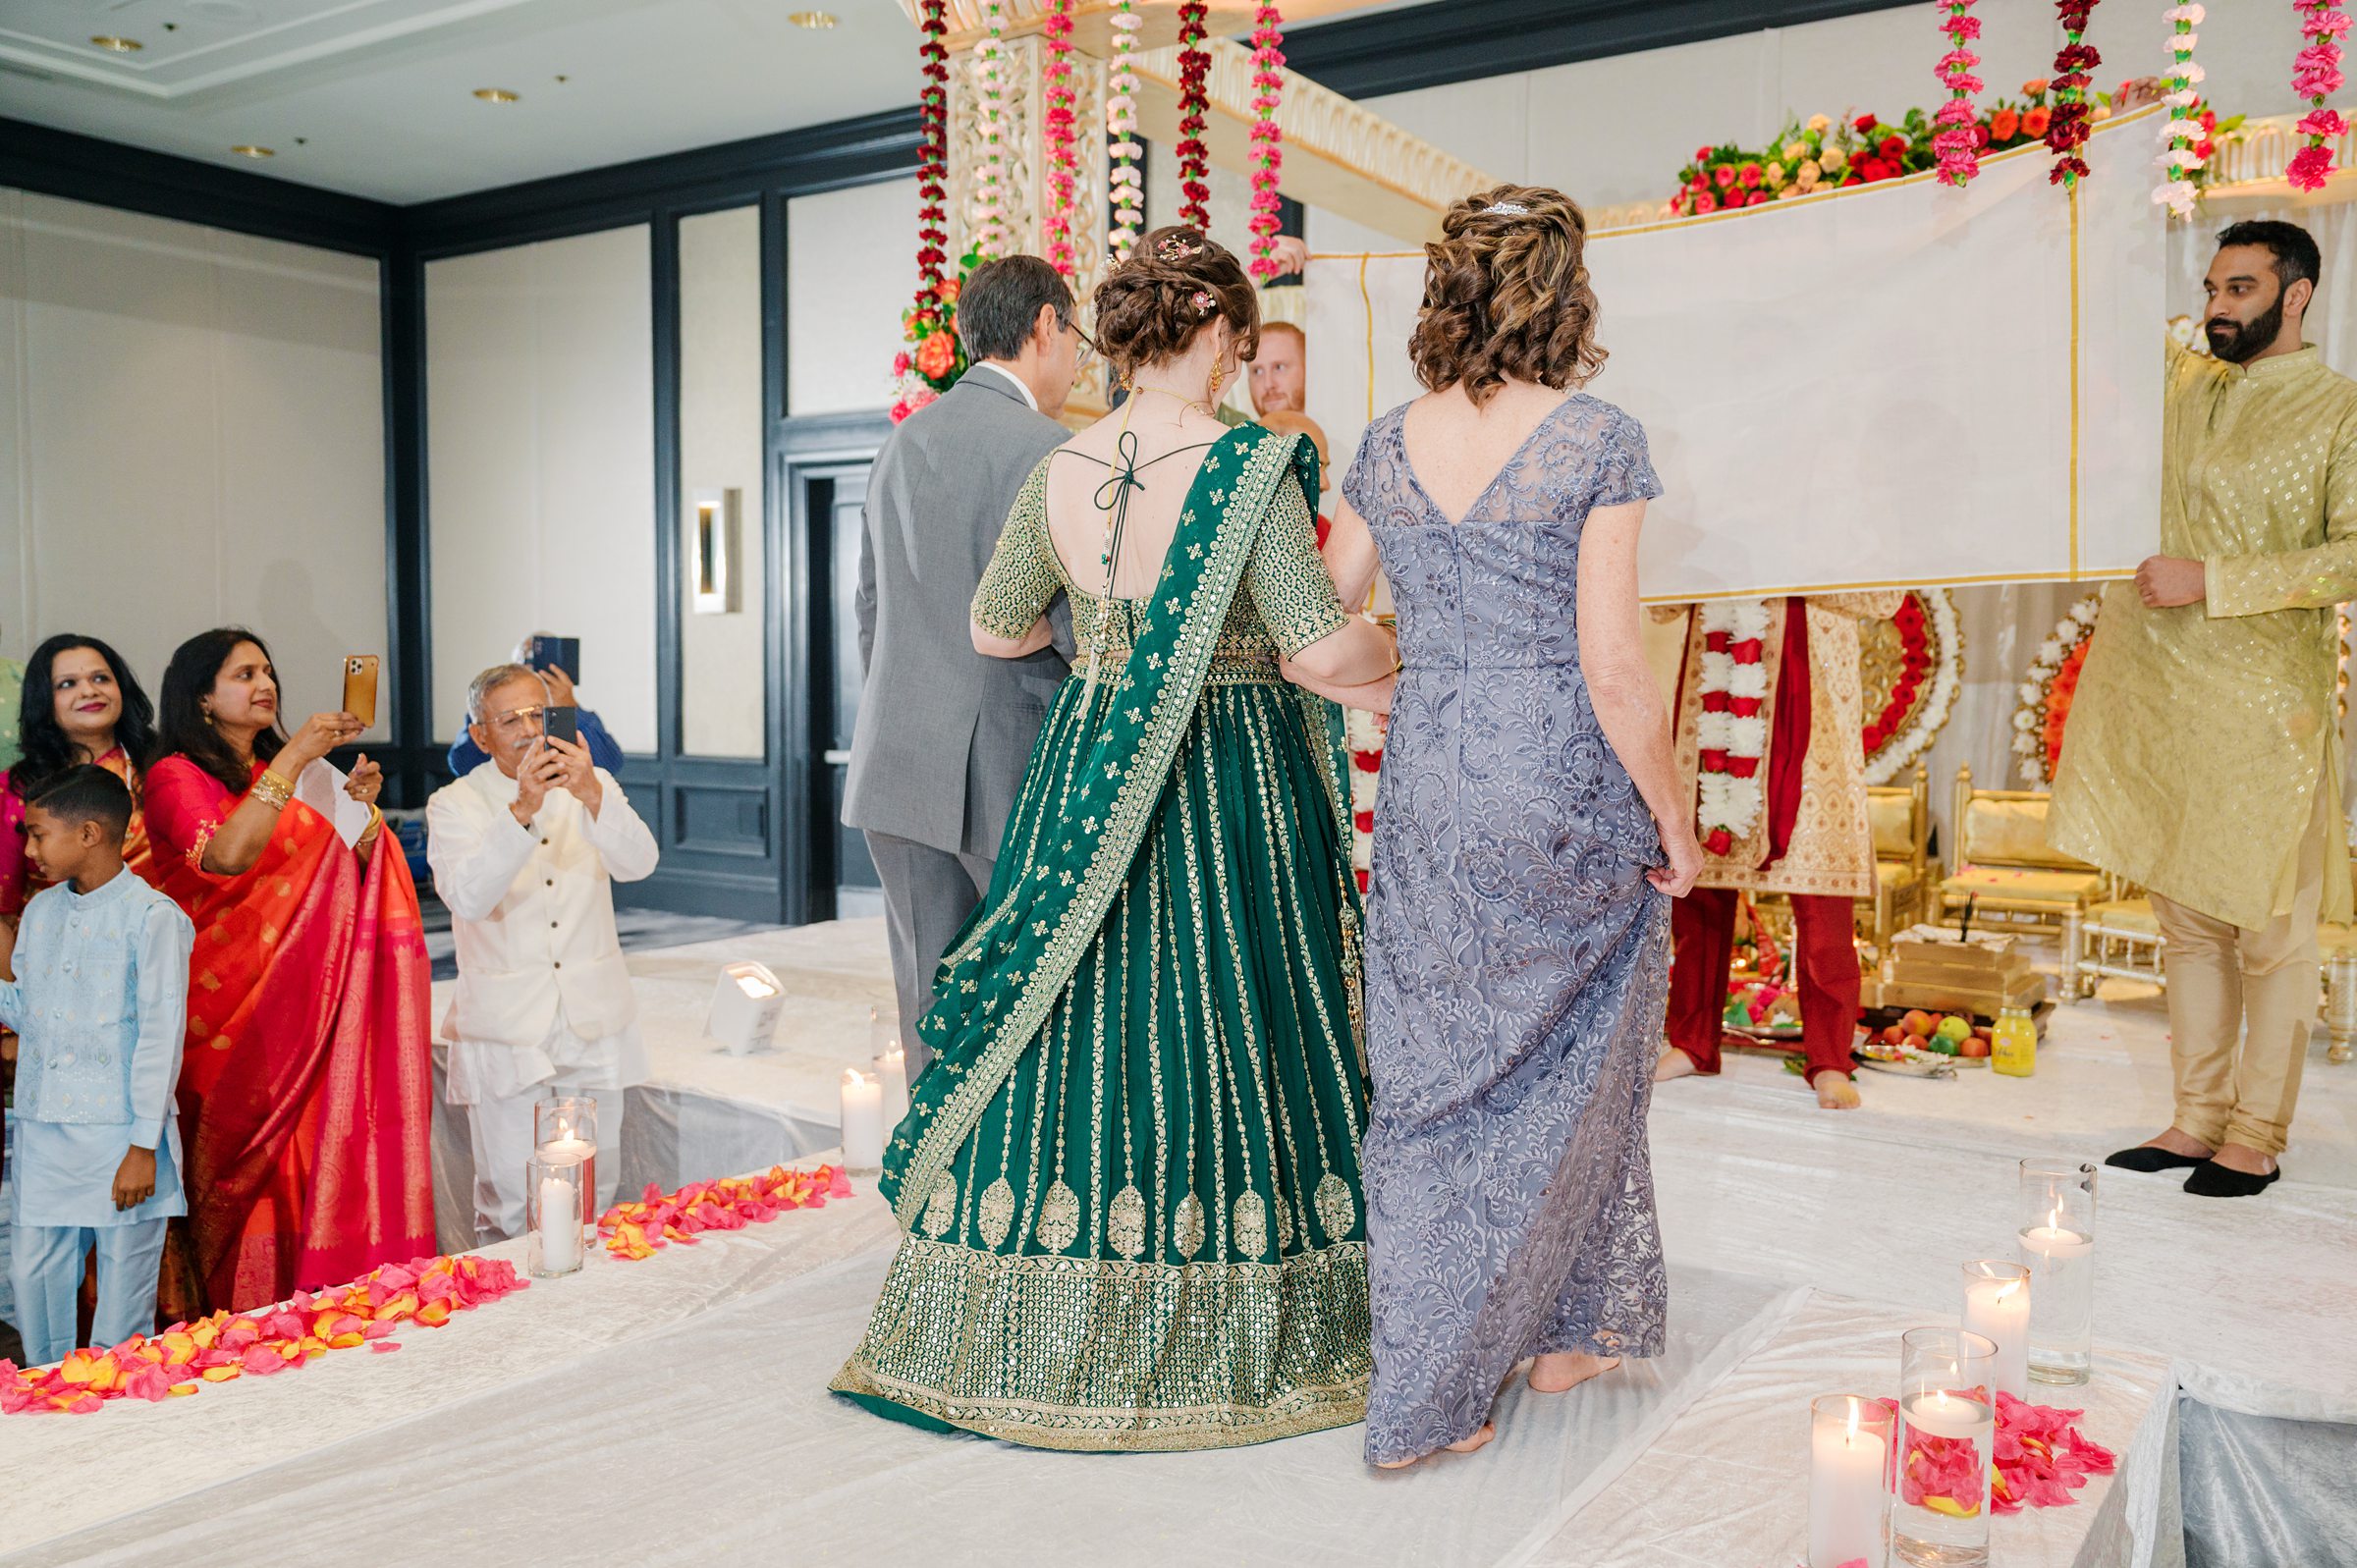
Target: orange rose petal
<point>221,1373</point>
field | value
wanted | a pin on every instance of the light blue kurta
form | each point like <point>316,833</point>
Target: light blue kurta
<point>101,1002</point>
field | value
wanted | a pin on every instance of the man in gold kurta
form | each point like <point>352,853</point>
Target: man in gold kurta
<point>2200,757</point>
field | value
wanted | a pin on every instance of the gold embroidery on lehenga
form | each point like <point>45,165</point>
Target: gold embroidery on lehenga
<point>1337,1210</point>
<point>1059,1224</point>
<point>1251,1225</point>
<point>941,1209</point>
<point>997,1214</point>
<point>1125,1222</point>
<point>1284,1225</point>
<point>1186,1227</point>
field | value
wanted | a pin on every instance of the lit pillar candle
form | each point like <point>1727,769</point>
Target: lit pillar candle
<point>891,1076</point>
<point>569,1150</point>
<point>1997,1307</point>
<point>862,1120</point>
<point>560,1229</point>
<point>1848,1461</point>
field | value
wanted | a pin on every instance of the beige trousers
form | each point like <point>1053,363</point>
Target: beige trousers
<point>2227,982</point>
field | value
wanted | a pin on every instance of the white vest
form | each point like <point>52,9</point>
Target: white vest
<point>532,909</point>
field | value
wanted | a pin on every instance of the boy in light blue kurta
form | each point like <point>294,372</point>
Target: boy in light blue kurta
<point>101,1002</point>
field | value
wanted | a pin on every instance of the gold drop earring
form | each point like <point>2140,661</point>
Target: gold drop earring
<point>1218,373</point>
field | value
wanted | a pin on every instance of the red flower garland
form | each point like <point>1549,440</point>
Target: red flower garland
<point>1056,91</point>
<point>1268,138</point>
<point>1194,103</point>
<point>2316,77</point>
<point>933,151</point>
<point>1915,668</point>
<point>2066,131</point>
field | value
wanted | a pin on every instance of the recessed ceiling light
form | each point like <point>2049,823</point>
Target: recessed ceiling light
<point>495,94</point>
<point>247,150</point>
<point>114,46</point>
<point>815,21</point>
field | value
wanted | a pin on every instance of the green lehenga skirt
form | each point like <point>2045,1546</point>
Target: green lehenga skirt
<point>1147,1233</point>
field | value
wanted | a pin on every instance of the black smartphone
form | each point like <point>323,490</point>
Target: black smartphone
<point>562,653</point>
<point>563,724</point>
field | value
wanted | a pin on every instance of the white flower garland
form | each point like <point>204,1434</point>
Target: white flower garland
<point>1947,641</point>
<point>1128,191</point>
<point>2180,130</point>
<point>1362,736</point>
<point>991,235</point>
<point>1730,802</point>
<point>2029,719</point>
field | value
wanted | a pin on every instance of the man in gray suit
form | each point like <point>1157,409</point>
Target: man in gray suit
<point>944,733</point>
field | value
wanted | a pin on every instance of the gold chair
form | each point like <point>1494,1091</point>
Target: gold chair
<point>2005,867</point>
<point>1901,816</point>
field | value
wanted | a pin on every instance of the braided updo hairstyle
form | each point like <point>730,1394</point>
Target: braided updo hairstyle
<point>1506,294</point>
<point>1150,307</point>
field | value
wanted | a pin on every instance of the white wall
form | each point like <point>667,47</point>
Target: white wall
<point>1618,130</point>
<point>850,270</point>
<point>192,433</point>
<point>723,689</point>
<point>539,377</point>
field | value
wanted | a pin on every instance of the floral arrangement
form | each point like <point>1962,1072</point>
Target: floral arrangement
<point>1194,104</point>
<point>2047,690</point>
<point>264,1342</point>
<point>1128,192</point>
<point>934,359</point>
<point>933,148</point>
<point>634,1230</point>
<point>1733,730</point>
<point>2316,77</point>
<point>1957,140</point>
<point>2178,159</point>
<point>991,235</point>
<point>1268,138</point>
<point>1924,689</point>
<point>2067,130</point>
<point>1056,126</point>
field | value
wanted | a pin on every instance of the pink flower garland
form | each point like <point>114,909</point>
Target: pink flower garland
<point>1957,142</point>
<point>1268,138</point>
<point>2316,77</point>
<point>1125,187</point>
<point>2176,192</point>
<point>1055,89</point>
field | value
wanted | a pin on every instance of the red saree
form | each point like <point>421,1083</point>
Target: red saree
<point>17,879</point>
<point>304,1094</point>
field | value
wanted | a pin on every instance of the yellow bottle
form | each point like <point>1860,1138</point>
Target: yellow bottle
<point>2014,1044</point>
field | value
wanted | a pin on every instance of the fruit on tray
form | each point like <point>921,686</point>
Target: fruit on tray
<point>1954,1028</point>
<point>1974,1046</point>
<point>1922,1033</point>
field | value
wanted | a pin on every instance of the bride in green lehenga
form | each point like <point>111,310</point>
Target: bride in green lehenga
<point>1129,1185</point>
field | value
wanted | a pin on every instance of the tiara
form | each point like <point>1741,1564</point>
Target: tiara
<point>1505,210</point>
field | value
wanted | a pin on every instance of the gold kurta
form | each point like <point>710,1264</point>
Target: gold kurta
<point>2200,734</point>
<point>1831,852</point>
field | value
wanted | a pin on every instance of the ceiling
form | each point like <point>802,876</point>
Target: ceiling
<point>378,98</point>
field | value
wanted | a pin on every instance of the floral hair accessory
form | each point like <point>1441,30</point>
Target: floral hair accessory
<point>1175,249</point>
<point>1505,210</point>
<point>1202,300</point>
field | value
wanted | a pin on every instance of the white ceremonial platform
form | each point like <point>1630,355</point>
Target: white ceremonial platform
<point>674,1411</point>
<point>1891,385</point>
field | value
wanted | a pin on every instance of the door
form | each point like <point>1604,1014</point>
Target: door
<point>837,494</point>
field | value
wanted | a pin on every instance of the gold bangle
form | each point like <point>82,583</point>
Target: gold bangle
<point>273,789</point>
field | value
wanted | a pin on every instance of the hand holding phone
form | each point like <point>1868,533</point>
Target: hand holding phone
<point>561,723</point>
<point>360,689</point>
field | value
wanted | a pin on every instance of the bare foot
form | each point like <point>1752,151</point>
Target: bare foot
<point>1673,1063</point>
<point>2186,1144</point>
<point>1480,1440</point>
<point>2243,1157</point>
<point>1835,1092</point>
<point>1554,1374</point>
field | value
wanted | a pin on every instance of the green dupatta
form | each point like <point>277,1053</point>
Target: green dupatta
<point>1007,969</point>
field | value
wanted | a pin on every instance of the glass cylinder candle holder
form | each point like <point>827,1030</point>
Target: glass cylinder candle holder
<point>565,1128</point>
<point>1850,1441</point>
<point>552,1201</point>
<point>891,1061</point>
<point>1997,1307</point>
<point>1948,1449</point>
<point>2055,1242</point>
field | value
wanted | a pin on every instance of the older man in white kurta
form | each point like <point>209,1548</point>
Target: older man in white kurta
<point>526,851</point>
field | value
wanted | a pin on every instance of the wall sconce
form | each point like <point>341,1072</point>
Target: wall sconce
<point>715,552</point>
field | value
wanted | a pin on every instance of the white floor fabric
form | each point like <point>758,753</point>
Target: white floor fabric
<point>674,1411</point>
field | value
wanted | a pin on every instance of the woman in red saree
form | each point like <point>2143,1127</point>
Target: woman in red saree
<point>304,1094</point>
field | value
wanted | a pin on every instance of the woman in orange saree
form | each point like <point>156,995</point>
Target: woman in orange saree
<point>305,1090</point>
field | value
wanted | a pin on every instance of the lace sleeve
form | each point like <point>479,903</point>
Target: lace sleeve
<point>1021,580</point>
<point>1288,582</point>
<point>1623,465</point>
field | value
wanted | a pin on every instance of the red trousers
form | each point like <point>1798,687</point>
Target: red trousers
<point>1702,930</point>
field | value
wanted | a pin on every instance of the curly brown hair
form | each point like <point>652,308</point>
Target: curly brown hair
<point>1150,307</point>
<point>1507,295</point>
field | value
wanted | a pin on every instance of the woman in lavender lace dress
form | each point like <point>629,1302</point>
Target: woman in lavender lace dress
<point>1528,838</point>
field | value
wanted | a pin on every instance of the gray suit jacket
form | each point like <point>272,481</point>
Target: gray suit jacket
<point>944,733</point>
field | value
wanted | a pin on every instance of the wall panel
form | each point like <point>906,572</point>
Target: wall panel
<point>850,268</point>
<point>722,684</point>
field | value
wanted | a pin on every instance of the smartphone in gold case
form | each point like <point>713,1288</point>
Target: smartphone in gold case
<point>359,687</point>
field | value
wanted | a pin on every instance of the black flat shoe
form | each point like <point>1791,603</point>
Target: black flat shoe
<point>2148,1159</point>
<point>2210,1179</point>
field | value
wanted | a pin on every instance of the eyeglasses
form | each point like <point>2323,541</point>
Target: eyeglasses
<point>1085,359</point>
<point>517,721</point>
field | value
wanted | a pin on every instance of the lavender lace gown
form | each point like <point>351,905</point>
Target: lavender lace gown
<point>1516,959</point>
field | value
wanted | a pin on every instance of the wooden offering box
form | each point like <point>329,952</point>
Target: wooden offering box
<point>1932,968</point>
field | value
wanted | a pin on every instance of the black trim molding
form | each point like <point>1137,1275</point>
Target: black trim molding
<point>1462,40</point>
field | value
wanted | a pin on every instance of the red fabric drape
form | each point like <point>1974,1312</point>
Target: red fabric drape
<point>1788,741</point>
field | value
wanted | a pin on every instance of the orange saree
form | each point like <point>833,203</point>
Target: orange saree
<point>304,1093</point>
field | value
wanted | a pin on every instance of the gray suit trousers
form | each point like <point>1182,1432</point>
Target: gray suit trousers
<point>927,894</point>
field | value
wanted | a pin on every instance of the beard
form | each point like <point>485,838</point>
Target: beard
<point>2239,343</point>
